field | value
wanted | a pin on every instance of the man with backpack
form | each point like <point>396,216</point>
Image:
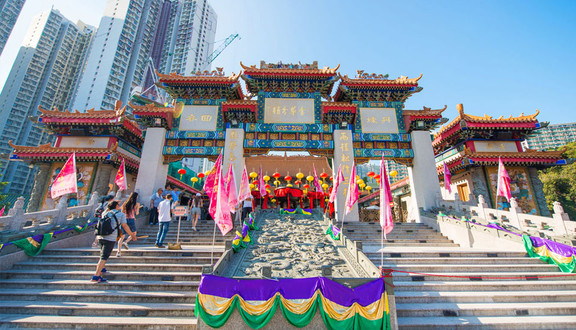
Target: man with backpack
<point>107,230</point>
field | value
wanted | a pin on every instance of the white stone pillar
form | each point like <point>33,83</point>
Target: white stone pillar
<point>344,155</point>
<point>424,183</point>
<point>153,172</point>
<point>234,153</point>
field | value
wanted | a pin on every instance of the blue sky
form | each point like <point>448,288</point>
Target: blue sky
<point>495,57</point>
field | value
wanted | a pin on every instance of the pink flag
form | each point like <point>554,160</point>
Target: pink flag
<point>316,181</point>
<point>120,180</point>
<point>231,189</point>
<point>261,184</point>
<point>503,181</point>
<point>386,219</point>
<point>353,194</point>
<point>447,178</point>
<point>211,187</point>
<point>65,182</point>
<point>244,187</point>
<point>2,211</point>
<point>210,183</point>
<point>222,215</point>
<point>339,178</point>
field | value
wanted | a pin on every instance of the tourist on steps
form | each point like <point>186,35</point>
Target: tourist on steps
<point>107,242</point>
<point>164,217</point>
<point>131,208</point>
<point>154,201</point>
<point>195,207</point>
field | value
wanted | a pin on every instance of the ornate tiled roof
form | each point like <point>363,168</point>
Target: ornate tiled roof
<point>527,157</point>
<point>425,112</point>
<point>378,81</point>
<point>215,76</point>
<point>91,117</point>
<point>48,152</point>
<point>286,70</point>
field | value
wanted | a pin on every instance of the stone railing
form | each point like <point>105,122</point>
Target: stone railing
<point>18,221</point>
<point>557,225</point>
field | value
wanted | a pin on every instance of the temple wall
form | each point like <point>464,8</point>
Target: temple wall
<point>479,185</point>
<point>538,190</point>
<point>153,172</point>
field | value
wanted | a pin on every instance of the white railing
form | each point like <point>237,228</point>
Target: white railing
<point>19,221</point>
<point>557,225</point>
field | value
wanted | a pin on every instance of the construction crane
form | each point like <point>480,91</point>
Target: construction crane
<point>220,49</point>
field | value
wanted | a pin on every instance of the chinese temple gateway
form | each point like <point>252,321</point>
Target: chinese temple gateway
<point>289,107</point>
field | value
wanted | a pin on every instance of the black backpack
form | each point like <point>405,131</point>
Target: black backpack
<point>99,210</point>
<point>104,226</point>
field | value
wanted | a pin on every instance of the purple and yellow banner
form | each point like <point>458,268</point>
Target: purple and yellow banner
<point>334,232</point>
<point>257,300</point>
<point>562,255</point>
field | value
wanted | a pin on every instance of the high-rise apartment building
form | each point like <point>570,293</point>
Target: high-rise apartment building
<point>185,38</point>
<point>119,53</point>
<point>9,12</point>
<point>552,136</point>
<point>44,73</point>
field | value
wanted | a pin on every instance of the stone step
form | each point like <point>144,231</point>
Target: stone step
<point>484,276</point>
<point>474,286</point>
<point>489,322</point>
<point>46,274</point>
<point>442,254</point>
<point>360,236</point>
<point>460,260</point>
<point>117,265</point>
<point>411,243</point>
<point>95,322</point>
<point>473,268</point>
<point>128,259</point>
<point>139,251</point>
<point>485,296</point>
<point>85,284</point>
<point>485,309</point>
<point>91,294</point>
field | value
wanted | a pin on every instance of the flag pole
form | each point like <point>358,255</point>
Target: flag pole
<point>213,243</point>
<point>382,248</point>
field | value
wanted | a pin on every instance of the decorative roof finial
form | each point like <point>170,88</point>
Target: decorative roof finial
<point>460,108</point>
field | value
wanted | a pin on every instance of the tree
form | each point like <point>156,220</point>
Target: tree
<point>560,182</point>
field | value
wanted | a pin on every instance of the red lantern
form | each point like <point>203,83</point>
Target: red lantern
<point>181,172</point>
<point>276,175</point>
<point>331,178</point>
<point>306,186</point>
<point>371,174</point>
<point>267,186</point>
<point>201,175</point>
<point>377,177</point>
<point>288,178</point>
<point>297,182</point>
<point>324,175</point>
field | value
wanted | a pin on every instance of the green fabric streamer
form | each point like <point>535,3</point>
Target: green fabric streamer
<point>297,320</point>
<point>31,247</point>
<point>80,229</point>
<point>564,267</point>
<point>331,233</point>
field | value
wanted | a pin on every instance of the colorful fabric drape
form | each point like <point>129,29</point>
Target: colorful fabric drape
<point>246,234</point>
<point>503,187</point>
<point>120,179</point>
<point>251,222</point>
<point>237,243</point>
<point>386,201</point>
<point>35,244</point>
<point>65,182</point>
<point>562,255</point>
<point>299,210</point>
<point>334,232</point>
<point>447,178</point>
<point>352,194</point>
<point>364,307</point>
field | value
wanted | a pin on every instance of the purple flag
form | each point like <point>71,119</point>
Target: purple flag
<point>447,178</point>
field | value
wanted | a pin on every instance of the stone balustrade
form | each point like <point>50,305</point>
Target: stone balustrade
<point>557,225</point>
<point>18,221</point>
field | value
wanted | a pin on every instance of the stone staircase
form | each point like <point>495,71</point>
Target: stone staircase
<point>521,296</point>
<point>148,287</point>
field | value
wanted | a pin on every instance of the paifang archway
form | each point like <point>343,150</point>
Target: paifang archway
<point>290,107</point>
